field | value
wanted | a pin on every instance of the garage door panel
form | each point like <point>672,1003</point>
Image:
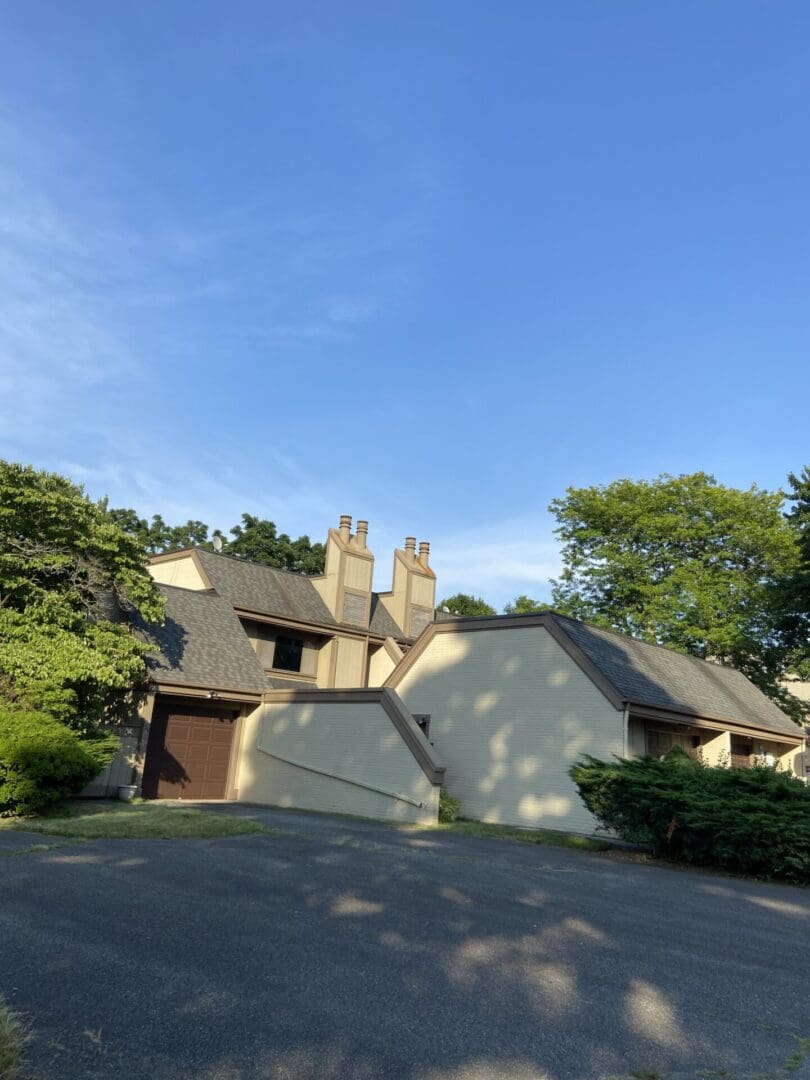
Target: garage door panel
<point>195,756</point>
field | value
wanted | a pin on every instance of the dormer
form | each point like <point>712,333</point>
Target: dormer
<point>413,595</point>
<point>345,585</point>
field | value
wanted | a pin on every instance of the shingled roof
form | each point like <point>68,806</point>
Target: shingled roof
<point>282,593</point>
<point>381,621</point>
<point>635,673</point>
<point>265,589</point>
<point>645,674</point>
<point>202,643</point>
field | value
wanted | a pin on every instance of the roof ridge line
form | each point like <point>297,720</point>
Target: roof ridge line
<point>650,644</point>
<point>242,561</point>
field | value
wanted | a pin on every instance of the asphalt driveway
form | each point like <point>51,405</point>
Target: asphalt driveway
<point>334,949</point>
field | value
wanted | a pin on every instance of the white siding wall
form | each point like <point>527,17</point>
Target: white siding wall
<point>353,741</point>
<point>510,712</point>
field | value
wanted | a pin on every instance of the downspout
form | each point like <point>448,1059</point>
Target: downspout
<point>625,729</point>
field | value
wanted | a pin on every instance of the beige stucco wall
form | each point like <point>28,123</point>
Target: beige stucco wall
<point>348,572</point>
<point>380,665</point>
<point>181,572</point>
<point>413,593</point>
<point>510,712</point>
<point>782,752</point>
<point>350,669</point>
<point>715,747</point>
<point>356,743</point>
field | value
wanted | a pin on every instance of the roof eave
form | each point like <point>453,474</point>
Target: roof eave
<point>718,723</point>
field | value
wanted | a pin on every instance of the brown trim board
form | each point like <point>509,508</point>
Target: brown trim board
<point>713,723</point>
<point>196,690</point>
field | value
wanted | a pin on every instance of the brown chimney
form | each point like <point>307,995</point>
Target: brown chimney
<point>424,553</point>
<point>362,533</point>
<point>410,546</point>
<point>346,527</point>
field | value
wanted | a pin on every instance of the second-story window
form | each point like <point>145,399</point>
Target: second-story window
<point>289,651</point>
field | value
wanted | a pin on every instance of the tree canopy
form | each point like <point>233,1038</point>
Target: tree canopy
<point>684,562</point>
<point>795,591</point>
<point>524,605</point>
<point>259,540</point>
<point>156,536</point>
<point>254,538</point>
<point>464,604</point>
<point>67,571</point>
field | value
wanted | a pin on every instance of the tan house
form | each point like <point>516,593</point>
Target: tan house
<point>514,700</point>
<point>328,630</point>
<point>317,692</point>
<point>238,669</point>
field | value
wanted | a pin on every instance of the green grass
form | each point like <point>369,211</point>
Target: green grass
<point>13,1037</point>
<point>135,821</point>
<point>546,837</point>
<point>799,1056</point>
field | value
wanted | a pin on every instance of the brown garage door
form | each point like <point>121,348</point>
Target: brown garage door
<point>189,754</point>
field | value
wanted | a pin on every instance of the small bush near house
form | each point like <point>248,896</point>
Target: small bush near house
<point>449,808</point>
<point>749,821</point>
<point>42,761</point>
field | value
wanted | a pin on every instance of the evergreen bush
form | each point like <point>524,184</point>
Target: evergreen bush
<point>751,821</point>
<point>42,761</point>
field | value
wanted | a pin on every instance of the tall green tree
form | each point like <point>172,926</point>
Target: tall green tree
<point>258,539</point>
<point>69,578</point>
<point>464,604</point>
<point>795,590</point>
<point>156,536</point>
<point>254,538</point>
<point>684,562</point>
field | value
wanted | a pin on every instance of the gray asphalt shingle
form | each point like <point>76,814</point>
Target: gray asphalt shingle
<point>381,621</point>
<point>265,589</point>
<point>647,674</point>
<point>202,643</point>
<point>282,593</point>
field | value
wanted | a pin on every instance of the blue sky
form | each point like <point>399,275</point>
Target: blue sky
<point>424,263</point>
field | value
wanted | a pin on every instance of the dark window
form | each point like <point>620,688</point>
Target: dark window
<point>423,720</point>
<point>289,651</point>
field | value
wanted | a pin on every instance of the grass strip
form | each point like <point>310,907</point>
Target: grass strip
<point>546,837</point>
<point>136,821</point>
<point>13,1037</point>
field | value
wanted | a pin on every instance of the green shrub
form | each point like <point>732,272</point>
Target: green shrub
<point>43,761</point>
<point>750,821</point>
<point>449,808</point>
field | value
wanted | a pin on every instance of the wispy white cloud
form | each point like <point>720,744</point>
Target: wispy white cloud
<point>498,561</point>
<point>96,314</point>
<point>209,486</point>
